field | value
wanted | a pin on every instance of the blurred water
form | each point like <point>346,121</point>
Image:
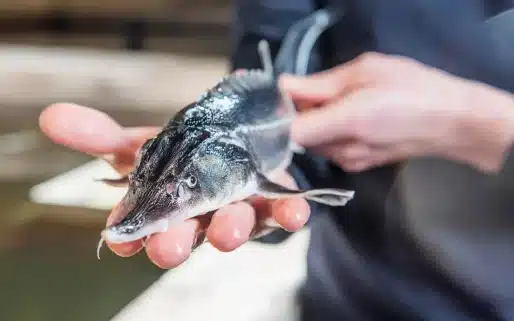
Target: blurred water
<point>48,266</point>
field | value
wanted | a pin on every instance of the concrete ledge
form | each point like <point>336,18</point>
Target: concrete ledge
<point>255,282</point>
<point>78,188</point>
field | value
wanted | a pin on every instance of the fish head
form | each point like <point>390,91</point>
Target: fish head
<point>148,207</point>
<point>191,183</point>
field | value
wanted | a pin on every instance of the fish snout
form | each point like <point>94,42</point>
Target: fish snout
<point>132,231</point>
<point>118,234</point>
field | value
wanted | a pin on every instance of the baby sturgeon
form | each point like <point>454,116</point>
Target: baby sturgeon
<point>223,147</point>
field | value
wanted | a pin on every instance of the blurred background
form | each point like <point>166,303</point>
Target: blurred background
<point>139,61</point>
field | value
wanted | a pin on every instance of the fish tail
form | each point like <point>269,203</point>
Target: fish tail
<point>295,52</point>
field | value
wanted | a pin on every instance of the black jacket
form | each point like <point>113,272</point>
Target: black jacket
<point>428,240</point>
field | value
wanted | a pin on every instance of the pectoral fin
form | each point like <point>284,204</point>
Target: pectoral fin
<point>116,182</point>
<point>327,196</point>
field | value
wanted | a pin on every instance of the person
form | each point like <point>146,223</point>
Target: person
<point>409,104</point>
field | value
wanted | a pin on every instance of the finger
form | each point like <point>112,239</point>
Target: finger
<point>344,151</point>
<point>333,118</point>
<point>356,156</point>
<point>327,85</point>
<point>378,156</point>
<point>231,226</point>
<point>89,130</point>
<point>134,137</point>
<point>171,248</point>
<point>356,166</point>
<point>345,119</point>
<point>239,71</point>
<point>81,128</point>
<point>291,214</point>
<point>303,105</point>
<point>366,163</point>
<point>126,249</point>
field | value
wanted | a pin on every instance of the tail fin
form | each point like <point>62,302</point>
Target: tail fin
<point>296,49</point>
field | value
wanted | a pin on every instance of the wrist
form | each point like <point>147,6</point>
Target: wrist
<point>484,128</point>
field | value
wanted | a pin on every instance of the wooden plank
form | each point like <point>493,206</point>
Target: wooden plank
<point>183,10</point>
<point>204,45</point>
<point>115,7</point>
<point>216,23</point>
<point>24,6</point>
<point>80,11</point>
<point>36,76</point>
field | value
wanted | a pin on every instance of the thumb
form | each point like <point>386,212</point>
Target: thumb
<point>90,131</point>
<point>81,128</point>
<point>343,119</point>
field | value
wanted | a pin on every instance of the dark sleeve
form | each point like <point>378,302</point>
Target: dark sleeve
<point>253,20</point>
<point>270,19</point>
<point>506,174</point>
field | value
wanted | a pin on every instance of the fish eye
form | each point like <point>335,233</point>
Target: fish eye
<point>191,181</point>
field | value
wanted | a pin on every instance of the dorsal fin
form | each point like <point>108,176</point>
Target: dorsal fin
<point>292,58</point>
<point>265,55</point>
<point>245,81</point>
<point>242,82</point>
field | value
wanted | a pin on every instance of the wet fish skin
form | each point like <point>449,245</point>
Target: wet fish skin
<point>206,170</point>
<point>217,150</point>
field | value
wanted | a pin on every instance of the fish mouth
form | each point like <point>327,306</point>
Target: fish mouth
<point>123,233</point>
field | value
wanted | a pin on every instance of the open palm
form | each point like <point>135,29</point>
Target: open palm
<point>92,132</point>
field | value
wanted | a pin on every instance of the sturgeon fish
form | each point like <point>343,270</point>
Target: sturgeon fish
<point>224,147</point>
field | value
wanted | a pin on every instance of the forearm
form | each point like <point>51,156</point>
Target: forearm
<point>484,130</point>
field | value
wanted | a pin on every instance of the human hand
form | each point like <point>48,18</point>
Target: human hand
<point>379,109</point>
<point>95,133</point>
